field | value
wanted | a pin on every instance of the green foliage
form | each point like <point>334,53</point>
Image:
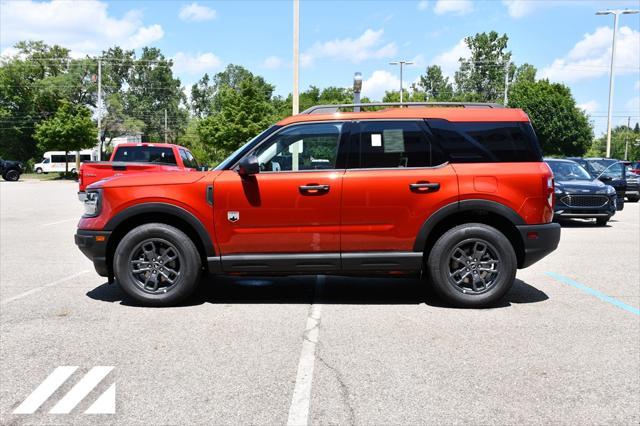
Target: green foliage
<point>434,85</point>
<point>394,96</point>
<point>70,129</point>
<point>621,137</point>
<point>562,128</point>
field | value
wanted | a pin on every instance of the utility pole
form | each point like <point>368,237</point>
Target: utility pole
<point>165,125</point>
<point>99,109</point>
<point>626,139</point>
<point>296,54</point>
<point>357,88</point>
<point>401,63</point>
<point>506,82</point>
<point>615,14</point>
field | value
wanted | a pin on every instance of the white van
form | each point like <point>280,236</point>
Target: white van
<point>54,161</point>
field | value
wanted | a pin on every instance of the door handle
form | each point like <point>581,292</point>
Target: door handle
<point>424,186</point>
<point>314,189</point>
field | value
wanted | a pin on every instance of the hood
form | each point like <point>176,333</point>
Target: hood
<point>582,186</point>
<point>151,179</point>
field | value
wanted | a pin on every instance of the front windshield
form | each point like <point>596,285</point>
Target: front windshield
<point>568,170</point>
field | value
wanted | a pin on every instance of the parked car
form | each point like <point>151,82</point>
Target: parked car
<point>57,162</point>
<point>634,167</point>
<point>11,170</point>
<point>128,158</point>
<point>458,194</point>
<point>609,171</point>
<point>580,195</point>
<point>633,187</point>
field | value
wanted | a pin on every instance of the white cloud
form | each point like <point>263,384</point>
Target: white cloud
<point>460,7</point>
<point>449,60</point>
<point>423,5</point>
<point>633,104</point>
<point>84,27</point>
<point>368,46</point>
<point>272,62</point>
<point>380,81</point>
<point>519,8</point>
<point>591,56</point>
<point>637,86</point>
<point>196,13</point>
<point>196,64</point>
<point>589,106</point>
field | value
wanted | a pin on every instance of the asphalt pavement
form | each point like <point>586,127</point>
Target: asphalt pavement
<point>562,347</point>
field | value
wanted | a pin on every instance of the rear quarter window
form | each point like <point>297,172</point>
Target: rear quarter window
<point>477,142</point>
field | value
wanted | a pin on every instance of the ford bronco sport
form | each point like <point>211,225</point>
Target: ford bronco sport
<point>455,192</point>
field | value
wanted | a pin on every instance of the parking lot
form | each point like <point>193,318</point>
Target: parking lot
<point>562,347</point>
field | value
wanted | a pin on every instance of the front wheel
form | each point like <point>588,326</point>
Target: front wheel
<point>12,176</point>
<point>472,265</point>
<point>157,265</point>
<point>39,170</point>
<point>602,221</point>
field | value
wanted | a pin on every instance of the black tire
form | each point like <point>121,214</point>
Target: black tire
<point>633,198</point>
<point>441,262</point>
<point>39,170</point>
<point>161,235</point>
<point>602,221</point>
<point>12,176</point>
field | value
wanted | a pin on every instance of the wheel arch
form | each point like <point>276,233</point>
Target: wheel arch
<point>168,214</point>
<point>487,212</point>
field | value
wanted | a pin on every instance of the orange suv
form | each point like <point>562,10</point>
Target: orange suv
<point>457,193</point>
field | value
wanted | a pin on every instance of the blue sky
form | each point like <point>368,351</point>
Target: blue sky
<point>565,40</point>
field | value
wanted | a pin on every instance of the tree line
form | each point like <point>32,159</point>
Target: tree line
<point>48,99</point>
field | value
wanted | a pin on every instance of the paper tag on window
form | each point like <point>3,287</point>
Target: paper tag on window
<point>376,139</point>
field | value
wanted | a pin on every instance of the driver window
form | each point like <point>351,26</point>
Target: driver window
<point>302,147</point>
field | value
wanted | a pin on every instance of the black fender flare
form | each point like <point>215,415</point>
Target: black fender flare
<point>461,206</point>
<point>164,208</point>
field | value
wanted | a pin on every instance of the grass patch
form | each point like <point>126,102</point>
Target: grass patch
<point>48,176</point>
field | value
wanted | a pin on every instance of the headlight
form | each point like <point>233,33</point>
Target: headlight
<point>610,190</point>
<point>557,190</point>
<point>92,204</point>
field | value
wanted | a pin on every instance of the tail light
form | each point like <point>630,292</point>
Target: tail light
<point>548,186</point>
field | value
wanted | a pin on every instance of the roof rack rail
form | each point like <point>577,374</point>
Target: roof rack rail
<point>335,107</point>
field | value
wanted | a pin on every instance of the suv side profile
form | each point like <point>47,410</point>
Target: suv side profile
<point>456,192</point>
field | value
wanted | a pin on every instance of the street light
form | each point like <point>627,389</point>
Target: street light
<point>615,13</point>
<point>401,63</point>
<point>357,88</point>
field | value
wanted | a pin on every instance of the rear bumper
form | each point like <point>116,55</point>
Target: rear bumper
<point>539,241</point>
<point>93,244</point>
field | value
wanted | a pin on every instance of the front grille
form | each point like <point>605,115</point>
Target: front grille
<point>584,200</point>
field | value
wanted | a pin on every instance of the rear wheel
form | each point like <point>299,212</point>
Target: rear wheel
<point>157,265</point>
<point>472,265</point>
<point>633,198</point>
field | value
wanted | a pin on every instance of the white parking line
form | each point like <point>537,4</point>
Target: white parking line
<point>59,222</point>
<point>35,290</point>
<point>299,410</point>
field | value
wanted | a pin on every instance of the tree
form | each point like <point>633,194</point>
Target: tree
<point>434,85</point>
<point>202,94</point>
<point>481,77</point>
<point>622,137</point>
<point>242,108</point>
<point>562,128</point>
<point>524,73</point>
<point>413,96</point>
<point>70,129</point>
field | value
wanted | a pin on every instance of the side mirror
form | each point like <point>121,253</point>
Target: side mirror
<point>605,178</point>
<point>248,166</point>
<point>203,168</point>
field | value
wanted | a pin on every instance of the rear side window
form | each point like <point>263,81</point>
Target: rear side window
<point>145,154</point>
<point>477,142</point>
<point>390,144</point>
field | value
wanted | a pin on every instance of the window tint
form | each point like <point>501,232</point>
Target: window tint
<point>85,157</point>
<point>385,144</point>
<point>303,147</point>
<point>60,159</point>
<point>487,141</point>
<point>188,159</point>
<point>145,154</point>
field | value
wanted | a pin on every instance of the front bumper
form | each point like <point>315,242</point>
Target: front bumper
<point>565,211</point>
<point>93,244</point>
<point>82,196</point>
<point>539,241</point>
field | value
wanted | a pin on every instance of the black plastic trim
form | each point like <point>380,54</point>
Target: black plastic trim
<point>462,206</point>
<point>382,261</point>
<point>148,208</point>
<point>307,262</point>
<point>96,251</point>
<point>548,237</point>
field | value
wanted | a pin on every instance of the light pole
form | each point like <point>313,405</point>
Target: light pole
<point>296,55</point>
<point>615,13</point>
<point>357,88</point>
<point>401,63</point>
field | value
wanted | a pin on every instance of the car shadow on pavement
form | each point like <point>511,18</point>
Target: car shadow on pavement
<point>305,290</point>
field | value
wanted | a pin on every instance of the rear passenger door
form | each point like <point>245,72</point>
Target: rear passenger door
<point>395,179</point>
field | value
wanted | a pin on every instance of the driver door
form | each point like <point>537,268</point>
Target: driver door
<point>287,216</point>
